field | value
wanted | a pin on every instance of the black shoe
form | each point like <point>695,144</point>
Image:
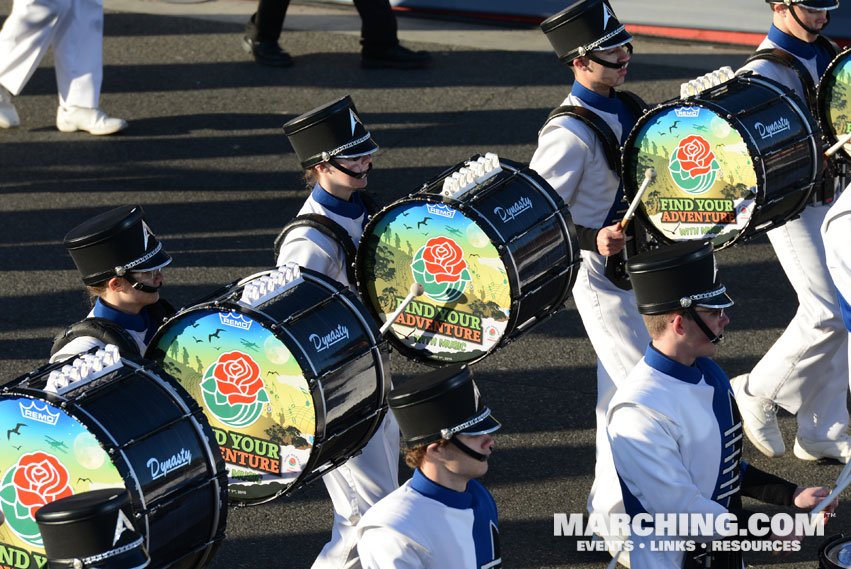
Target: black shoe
<point>267,52</point>
<point>396,57</point>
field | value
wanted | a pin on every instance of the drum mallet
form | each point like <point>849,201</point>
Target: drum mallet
<point>649,174</point>
<point>415,290</point>
<point>843,140</point>
<point>842,482</point>
<point>614,562</point>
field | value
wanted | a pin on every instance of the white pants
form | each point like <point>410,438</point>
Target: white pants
<point>354,487</point>
<point>806,370</point>
<point>619,337</point>
<point>74,28</point>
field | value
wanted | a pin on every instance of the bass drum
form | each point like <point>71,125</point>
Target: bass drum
<point>833,101</point>
<point>130,426</point>
<point>732,162</point>
<point>290,370</point>
<point>493,261</point>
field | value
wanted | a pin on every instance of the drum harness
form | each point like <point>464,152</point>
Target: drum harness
<point>824,189</point>
<point>615,264</point>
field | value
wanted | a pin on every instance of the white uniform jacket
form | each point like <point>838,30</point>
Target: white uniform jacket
<point>836,233</point>
<point>423,525</point>
<point>317,251</point>
<point>571,158</point>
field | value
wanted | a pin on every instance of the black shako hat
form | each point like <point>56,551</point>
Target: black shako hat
<point>676,276</point>
<point>333,130</point>
<point>114,243</point>
<point>811,4</point>
<point>92,529</point>
<point>584,26</point>
<point>439,405</point>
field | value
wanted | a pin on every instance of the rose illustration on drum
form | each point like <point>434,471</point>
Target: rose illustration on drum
<point>440,267</point>
<point>693,165</point>
<point>233,389</point>
<point>37,479</point>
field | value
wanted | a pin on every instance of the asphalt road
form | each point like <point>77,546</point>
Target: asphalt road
<point>206,157</point>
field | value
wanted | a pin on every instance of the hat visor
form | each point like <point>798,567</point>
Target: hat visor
<point>158,261</point>
<point>619,39</point>
<point>368,146</point>
<point>720,300</point>
<point>487,425</point>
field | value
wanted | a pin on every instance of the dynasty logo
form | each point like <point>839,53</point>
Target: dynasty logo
<point>233,390</point>
<point>440,267</point>
<point>693,166</point>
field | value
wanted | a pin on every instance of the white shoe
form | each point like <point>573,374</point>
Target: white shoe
<point>759,419</point>
<point>814,450</point>
<point>93,121</point>
<point>8,113</point>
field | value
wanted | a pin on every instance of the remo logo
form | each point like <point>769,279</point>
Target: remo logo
<point>440,267</point>
<point>693,166</point>
<point>233,390</point>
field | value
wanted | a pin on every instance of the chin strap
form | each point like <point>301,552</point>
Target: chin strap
<point>343,169</point>
<point>590,55</point>
<point>714,338</point>
<point>139,286</point>
<point>791,8</point>
<point>467,450</point>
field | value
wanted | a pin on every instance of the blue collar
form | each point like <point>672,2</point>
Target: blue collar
<point>433,490</point>
<point>352,209</point>
<point>659,361</point>
<point>610,104</point>
<point>793,45</point>
<point>135,322</point>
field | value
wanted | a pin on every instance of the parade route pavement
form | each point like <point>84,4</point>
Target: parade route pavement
<point>206,157</point>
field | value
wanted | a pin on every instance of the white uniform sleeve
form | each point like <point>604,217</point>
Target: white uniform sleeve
<point>385,548</point>
<point>560,158</point>
<point>76,346</point>
<point>648,460</point>
<point>836,234</point>
<point>777,72</point>
<point>314,250</point>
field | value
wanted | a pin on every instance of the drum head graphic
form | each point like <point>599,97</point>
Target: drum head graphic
<point>253,392</point>
<point>834,101</point>
<point>706,185</point>
<point>50,455</point>
<point>464,310</point>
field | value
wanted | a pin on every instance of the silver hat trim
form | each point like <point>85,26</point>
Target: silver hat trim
<point>594,45</point>
<point>449,433</point>
<point>120,270</point>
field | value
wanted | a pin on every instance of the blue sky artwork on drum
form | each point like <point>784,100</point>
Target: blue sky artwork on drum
<point>705,182</point>
<point>464,311</point>
<point>834,94</point>
<point>47,455</point>
<point>253,393</point>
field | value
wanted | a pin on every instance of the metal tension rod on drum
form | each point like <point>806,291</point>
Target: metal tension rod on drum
<point>649,174</point>
<point>843,140</point>
<point>416,290</point>
<point>842,481</point>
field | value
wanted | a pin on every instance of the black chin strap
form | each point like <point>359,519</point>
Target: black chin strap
<point>139,286</point>
<point>343,169</point>
<point>467,450</point>
<point>714,338</point>
<point>590,55</point>
<point>791,8</point>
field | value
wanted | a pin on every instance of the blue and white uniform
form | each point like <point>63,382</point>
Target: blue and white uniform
<point>571,158</point>
<point>423,525</point>
<point>835,232</point>
<point>364,479</point>
<point>141,328</point>
<point>317,251</point>
<point>806,370</point>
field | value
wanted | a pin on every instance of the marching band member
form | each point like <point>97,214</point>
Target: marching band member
<point>442,517</point>
<point>120,260</point>
<point>806,370</point>
<point>835,232</point>
<point>674,426</point>
<point>579,163</point>
<point>335,150</point>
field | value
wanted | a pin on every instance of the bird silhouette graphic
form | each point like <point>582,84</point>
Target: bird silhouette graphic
<point>422,222</point>
<point>197,340</point>
<point>16,430</point>
<point>673,126</point>
<point>215,334</point>
<point>407,226</point>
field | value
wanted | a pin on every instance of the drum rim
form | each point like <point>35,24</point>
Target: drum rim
<point>826,126</point>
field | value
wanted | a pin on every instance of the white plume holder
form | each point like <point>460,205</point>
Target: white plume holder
<point>472,174</point>
<point>84,369</point>
<point>271,284</point>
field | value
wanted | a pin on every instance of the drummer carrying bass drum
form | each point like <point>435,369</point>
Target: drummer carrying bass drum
<point>335,149</point>
<point>806,370</point>
<point>578,154</point>
<point>120,260</point>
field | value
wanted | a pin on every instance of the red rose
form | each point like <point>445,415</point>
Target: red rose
<point>40,479</point>
<point>695,155</point>
<point>238,377</point>
<point>444,259</point>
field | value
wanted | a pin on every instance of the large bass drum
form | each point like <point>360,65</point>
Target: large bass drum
<point>833,101</point>
<point>732,162</point>
<point>493,261</point>
<point>129,426</point>
<point>290,370</point>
